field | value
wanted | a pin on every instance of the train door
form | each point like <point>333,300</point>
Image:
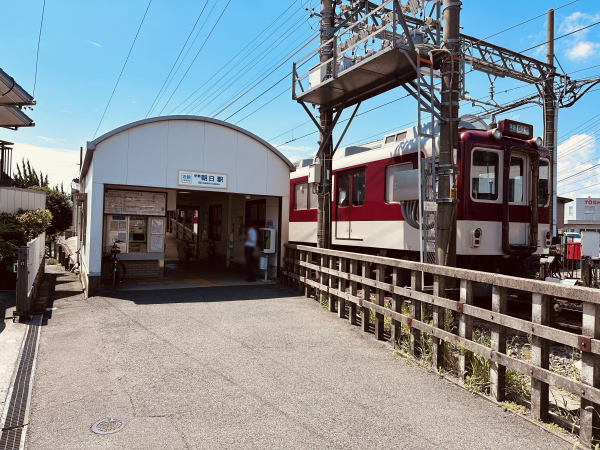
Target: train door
<point>350,205</point>
<point>519,192</point>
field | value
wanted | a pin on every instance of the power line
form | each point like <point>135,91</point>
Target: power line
<point>38,49</point>
<point>231,60</point>
<point>175,63</point>
<point>560,37</point>
<point>123,68</point>
<point>190,66</point>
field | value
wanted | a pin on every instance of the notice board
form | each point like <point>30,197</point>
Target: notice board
<point>137,203</point>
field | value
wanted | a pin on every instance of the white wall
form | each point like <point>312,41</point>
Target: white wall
<point>12,199</point>
<point>151,154</point>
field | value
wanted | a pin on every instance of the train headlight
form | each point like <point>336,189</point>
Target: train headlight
<point>539,141</point>
<point>496,133</point>
<point>476,237</point>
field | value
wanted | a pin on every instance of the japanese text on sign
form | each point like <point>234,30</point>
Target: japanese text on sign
<point>202,179</point>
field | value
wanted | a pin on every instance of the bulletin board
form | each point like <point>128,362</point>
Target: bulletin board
<point>135,203</point>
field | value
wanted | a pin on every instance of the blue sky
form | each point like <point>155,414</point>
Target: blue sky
<point>84,44</point>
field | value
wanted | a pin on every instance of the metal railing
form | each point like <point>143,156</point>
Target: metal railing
<point>30,269</point>
<point>336,273</point>
<point>185,234</point>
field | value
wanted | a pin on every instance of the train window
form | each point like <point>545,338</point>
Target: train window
<point>389,179</point>
<point>484,175</point>
<point>515,180</point>
<point>343,189</point>
<point>390,139</point>
<point>543,183</point>
<point>401,136</point>
<point>313,199</point>
<point>301,196</point>
<point>358,188</point>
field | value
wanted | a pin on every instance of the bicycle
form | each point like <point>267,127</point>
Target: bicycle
<point>117,268</point>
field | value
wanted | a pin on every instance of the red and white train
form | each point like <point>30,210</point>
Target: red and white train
<point>502,191</point>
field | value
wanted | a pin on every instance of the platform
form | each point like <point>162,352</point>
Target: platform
<point>384,70</point>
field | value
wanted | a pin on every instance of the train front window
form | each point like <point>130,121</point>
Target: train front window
<point>543,182</point>
<point>358,188</point>
<point>343,193</point>
<point>484,175</point>
<point>515,180</point>
<point>301,196</point>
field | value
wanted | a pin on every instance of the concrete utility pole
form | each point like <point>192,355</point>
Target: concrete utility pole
<point>446,212</point>
<point>551,121</point>
<point>326,117</point>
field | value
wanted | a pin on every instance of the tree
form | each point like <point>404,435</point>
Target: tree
<point>61,207</point>
<point>28,178</point>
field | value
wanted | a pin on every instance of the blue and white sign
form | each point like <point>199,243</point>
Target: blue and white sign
<point>202,179</point>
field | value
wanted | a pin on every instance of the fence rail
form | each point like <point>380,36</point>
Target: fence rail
<point>336,273</point>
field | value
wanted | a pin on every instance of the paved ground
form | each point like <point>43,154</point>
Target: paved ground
<point>11,340</point>
<point>244,367</point>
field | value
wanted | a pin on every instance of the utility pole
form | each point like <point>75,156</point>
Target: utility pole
<point>326,116</point>
<point>551,121</point>
<point>446,207</point>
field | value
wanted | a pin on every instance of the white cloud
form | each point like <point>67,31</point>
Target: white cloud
<point>577,157</point>
<point>297,149</point>
<point>94,43</point>
<point>577,47</point>
<point>59,164</point>
<point>47,139</point>
<point>583,50</point>
<point>64,110</point>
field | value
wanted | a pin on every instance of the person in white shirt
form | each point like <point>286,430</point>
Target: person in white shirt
<point>251,238</point>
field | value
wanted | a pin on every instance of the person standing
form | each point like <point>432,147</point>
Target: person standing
<point>251,237</point>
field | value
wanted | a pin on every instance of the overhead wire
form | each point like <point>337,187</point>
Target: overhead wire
<point>560,37</point>
<point>203,85</point>
<point>195,57</point>
<point>177,59</point>
<point>123,68</point>
<point>37,54</point>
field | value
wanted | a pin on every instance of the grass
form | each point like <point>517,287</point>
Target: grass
<point>52,262</point>
<point>512,406</point>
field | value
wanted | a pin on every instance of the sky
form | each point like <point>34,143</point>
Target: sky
<point>84,45</point>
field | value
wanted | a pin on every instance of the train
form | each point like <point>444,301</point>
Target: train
<point>501,186</point>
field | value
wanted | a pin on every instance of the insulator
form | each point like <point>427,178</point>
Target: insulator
<point>345,8</point>
<point>430,21</point>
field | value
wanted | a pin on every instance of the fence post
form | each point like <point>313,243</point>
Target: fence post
<point>308,274</point>
<point>439,290</point>
<point>381,302</point>
<point>302,273</point>
<point>497,371</point>
<point>397,302</point>
<point>540,356</point>
<point>323,278</point>
<point>332,283</point>
<point>465,328</point>
<point>366,295</point>
<point>342,288</point>
<point>296,269</point>
<point>415,313</point>
<point>22,275</point>
<point>353,292</point>
<point>284,277</point>
<point>589,428</point>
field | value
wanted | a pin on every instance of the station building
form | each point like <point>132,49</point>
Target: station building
<point>583,214</point>
<point>198,179</point>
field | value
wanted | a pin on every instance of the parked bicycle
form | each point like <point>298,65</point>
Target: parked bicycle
<point>117,268</point>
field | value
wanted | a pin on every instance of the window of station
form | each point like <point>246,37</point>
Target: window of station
<point>304,197</point>
<point>389,179</point>
<point>515,180</point>
<point>358,188</point>
<point>343,193</point>
<point>570,210</point>
<point>543,190</point>
<point>590,210</point>
<point>215,214</point>
<point>484,175</point>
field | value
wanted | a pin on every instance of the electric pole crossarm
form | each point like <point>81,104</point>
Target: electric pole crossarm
<point>312,117</point>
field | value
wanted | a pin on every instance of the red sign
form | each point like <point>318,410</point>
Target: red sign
<point>592,202</point>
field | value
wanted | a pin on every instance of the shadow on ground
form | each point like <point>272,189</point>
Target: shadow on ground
<point>203,294</point>
<point>7,300</point>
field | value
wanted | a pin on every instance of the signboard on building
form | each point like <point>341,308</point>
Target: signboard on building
<point>135,203</point>
<point>202,179</point>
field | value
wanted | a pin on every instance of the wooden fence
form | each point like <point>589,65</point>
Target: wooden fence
<point>339,274</point>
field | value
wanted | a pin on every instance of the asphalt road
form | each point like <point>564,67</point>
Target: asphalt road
<point>245,368</point>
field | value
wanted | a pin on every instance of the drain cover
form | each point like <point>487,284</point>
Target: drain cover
<point>108,426</point>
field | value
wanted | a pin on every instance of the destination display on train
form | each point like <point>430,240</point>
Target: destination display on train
<point>518,128</point>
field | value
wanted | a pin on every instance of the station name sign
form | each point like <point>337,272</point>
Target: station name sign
<point>202,179</point>
<point>592,202</point>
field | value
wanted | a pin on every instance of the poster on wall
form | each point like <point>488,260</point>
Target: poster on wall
<point>135,203</point>
<point>156,243</point>
<point>157,226</point>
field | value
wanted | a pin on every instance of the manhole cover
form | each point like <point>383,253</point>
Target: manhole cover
<point>108,426</point>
